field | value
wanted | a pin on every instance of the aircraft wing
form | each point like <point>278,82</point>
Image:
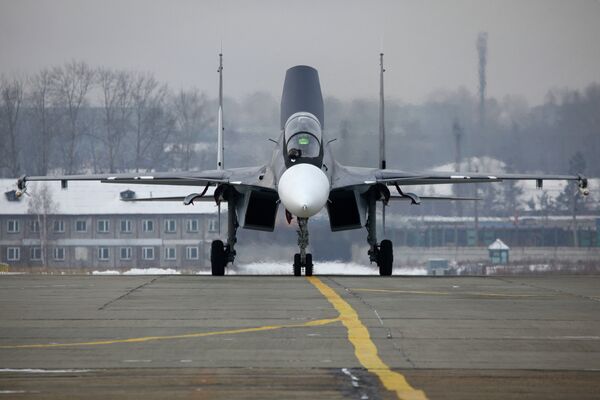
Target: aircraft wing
<point>233,176</point>
<point>353,176</point>
<point>435,178</point>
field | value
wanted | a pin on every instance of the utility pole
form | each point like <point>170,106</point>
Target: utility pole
<point>457,132</point>
<point>482,55</point>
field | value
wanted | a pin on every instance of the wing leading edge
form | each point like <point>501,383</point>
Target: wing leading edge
<point>249,176</point>
<point>356,177</point>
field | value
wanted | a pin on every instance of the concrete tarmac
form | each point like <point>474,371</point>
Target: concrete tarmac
<point>331,337</point>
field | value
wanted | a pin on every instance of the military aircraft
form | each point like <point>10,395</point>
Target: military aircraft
<point>304,177</point>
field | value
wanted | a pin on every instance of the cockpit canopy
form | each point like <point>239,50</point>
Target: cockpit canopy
<point>303,133</point>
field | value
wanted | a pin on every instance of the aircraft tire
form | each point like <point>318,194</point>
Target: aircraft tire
<point>308,268</point>
<point>217,258</point>
<point>385,258</point>
<point>297,265</point>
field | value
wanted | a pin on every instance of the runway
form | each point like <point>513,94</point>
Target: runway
<point>328,337</point>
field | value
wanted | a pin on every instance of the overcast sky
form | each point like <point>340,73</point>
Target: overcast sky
<point>429,45</point>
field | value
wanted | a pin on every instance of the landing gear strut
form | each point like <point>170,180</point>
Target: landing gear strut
<point>383,253</point>
<point>303,259</point>
<point>221,254</point>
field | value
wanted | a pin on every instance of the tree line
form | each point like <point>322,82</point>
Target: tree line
<point>75,118</point>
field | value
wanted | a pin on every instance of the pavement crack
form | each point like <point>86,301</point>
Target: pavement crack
<point>105,305</point>
<point>398,347</point>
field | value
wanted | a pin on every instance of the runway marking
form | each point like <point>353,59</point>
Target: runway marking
<point>449,293</point>
<point>318,322</point>
<point>364,348</point>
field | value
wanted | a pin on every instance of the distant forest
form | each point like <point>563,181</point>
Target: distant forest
<point>75,118</point>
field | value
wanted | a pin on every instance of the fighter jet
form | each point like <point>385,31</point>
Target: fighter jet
<point>304,178</point>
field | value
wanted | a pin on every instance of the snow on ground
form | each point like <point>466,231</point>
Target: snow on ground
<point>320,268</point>
<point>276,268</point>
<point>140,271</point>
<point>43,371</point>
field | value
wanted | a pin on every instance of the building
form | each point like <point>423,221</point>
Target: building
<point>499,252</point>
<point>88,225</point>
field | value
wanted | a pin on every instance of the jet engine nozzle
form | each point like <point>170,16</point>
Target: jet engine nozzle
<point>303,190</point>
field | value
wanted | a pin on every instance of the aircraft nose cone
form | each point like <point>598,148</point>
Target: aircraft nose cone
<point>303,190</point>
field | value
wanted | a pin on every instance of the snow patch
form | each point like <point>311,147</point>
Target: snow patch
<point>43,371</point>
<point>320,268</point>
<point>140,271</point>
<point>107,272</point>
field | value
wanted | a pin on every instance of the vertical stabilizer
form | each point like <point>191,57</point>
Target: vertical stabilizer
<point>220,127</point>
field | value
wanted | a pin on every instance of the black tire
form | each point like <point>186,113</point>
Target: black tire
<point>297,265</point>
<point>308,268</point>
<point>385,258</point>
<point>218,258</point>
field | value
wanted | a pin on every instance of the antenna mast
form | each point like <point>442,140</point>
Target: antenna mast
<point>381,115</point>
<point>220,127</point>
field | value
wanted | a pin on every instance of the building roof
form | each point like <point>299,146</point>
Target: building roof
<point>498,245</point>
<point>89,197</point>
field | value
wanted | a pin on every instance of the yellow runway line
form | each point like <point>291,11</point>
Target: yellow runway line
<point>318,322</point>
<point>449,293</point>
<point>364,348</point>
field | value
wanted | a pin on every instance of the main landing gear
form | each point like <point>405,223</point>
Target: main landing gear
<point>382,253</point>
<point>222,254</point>
<point>303,259</point>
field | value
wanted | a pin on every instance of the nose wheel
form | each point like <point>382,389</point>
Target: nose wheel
<point>307,265</point>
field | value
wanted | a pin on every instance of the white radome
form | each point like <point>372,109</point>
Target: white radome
<point>303,189</point>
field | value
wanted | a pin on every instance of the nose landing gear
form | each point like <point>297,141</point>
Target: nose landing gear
<point>303,259</point>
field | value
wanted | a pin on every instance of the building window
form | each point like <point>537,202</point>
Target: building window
<point>36,253</point>
<point>213,225</point>
<point>59,253</point>
<point>170,225</point>
<point>35,226</point>
<point>170,253</point>
<point>12,226</point>
<point>103,253</point>
<point>148,225</point>
<point>125,226</point>
<point>13,253</point>
<point>59,226</point>
<point>103,226</point>
<point>191,253</point>
<point>148,253</point>
<point>81,225</point>
<point>125,253</point>
<point>192,225</point>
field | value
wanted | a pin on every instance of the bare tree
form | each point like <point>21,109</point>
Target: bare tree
<point>11,93</point>
<point>115,87</point>
<point>70,86</point>
<point>152,124</point>
<point>190,108</point>
<point>42,205</point>
<point>42,117</point>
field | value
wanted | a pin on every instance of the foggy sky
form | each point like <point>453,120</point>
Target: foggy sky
<point>429,45</point>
